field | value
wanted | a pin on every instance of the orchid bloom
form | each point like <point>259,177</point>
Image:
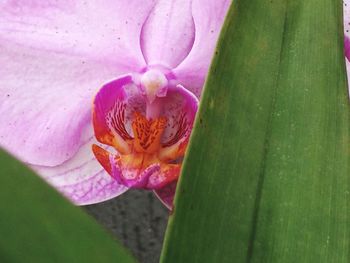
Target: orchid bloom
<point>138,66</point>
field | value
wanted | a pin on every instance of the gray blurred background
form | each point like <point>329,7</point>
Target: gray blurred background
<point>138,219</point>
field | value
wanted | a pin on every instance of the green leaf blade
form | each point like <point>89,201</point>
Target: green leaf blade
<point>39,225</point>
<point>267,176</point>
<point>308,161</point>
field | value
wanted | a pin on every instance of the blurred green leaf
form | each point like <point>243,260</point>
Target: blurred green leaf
<point>267,175</point>
<point>38,225</point>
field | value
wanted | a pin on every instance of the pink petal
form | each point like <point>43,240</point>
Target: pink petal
<point>166,194</point>
<point>208,18</point>
<point>106,30</point>
<point>105,101</point>
<point>164,176</point>
<point>82,179</point>
<point>46,99</point>
<point>134,178</point>
<point>347,63</point>
<point>347,47</point>
<point>346,15</point>
<point>168,33</point>
<point>180,107</point>
<point>346,9</point>
<point>178,102</point>
<point>113,110</point>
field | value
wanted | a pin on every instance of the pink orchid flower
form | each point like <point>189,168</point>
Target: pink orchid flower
<point>145,60</point>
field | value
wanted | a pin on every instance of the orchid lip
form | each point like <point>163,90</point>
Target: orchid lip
<point>149,138</point>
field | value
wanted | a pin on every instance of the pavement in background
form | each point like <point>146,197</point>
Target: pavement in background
<point>137,219</point>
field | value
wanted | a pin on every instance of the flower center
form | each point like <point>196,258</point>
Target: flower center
<point>147,119</point>
<point>154,84</point>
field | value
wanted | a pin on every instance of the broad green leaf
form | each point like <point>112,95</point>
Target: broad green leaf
<point>267,175</point>
<point>38,225</point>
